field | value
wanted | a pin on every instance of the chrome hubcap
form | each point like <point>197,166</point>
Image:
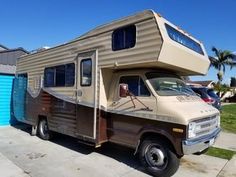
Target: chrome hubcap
<point>155,156</point>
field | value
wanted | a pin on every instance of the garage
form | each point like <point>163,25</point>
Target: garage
<point>5,99</point>
<point>8,59</point>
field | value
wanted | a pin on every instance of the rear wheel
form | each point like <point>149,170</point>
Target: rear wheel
<point>44,132</point>
<point>157,158</point>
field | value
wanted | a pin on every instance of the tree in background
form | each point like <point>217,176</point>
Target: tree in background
<point>221,89</point>
<point>222,59</point>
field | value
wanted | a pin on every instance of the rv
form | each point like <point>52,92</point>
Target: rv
<point>122,83</point>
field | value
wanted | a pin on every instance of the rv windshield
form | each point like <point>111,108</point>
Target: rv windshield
<point>168,85</point>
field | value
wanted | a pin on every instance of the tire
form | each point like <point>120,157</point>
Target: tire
<point>43,130</point>
<point>157,158</point>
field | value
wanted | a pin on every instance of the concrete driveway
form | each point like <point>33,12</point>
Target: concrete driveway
<point>22,155</point>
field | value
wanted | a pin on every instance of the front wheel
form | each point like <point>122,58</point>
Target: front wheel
<point>43,130</point>
<point>157,158</point>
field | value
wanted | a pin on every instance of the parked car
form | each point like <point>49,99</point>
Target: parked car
<point>231,99</point>
<point>208,95</point>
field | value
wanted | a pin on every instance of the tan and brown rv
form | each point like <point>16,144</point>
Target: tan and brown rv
<point>121,83</point>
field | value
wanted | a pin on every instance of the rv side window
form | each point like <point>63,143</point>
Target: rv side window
<point>124,38</point>
<point>86,72</point>
<point>70,74</point>
<point>49,77</point>
<point>183,39</point>
<point>60,76</point>
<point>136,85</point>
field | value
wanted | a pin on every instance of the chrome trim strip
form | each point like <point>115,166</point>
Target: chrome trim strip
<point>95,58</point>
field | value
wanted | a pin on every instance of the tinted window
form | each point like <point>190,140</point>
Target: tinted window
<point>136,85</point>
<point>59,76</point>
<point>205,92</point>
<point>198,92</point>
<point>124,38</point>
<point>143,91</point>
<point>49,77</point>
<point>212,94</point>
<point>70,74</point>
<point>183,39</point>
<point>86,72</point>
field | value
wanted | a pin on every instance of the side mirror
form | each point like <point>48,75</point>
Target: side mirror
<point>123,90</point>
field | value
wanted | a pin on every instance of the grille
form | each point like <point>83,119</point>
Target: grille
<point>206,125</point>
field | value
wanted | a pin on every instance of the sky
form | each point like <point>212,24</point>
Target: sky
<point>32,24</point>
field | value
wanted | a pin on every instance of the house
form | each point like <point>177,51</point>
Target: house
<point>8,59</point>
<point>2,48</point>
<point>207,83</point>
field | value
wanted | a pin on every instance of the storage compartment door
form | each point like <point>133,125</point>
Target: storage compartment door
<point>19,96</point>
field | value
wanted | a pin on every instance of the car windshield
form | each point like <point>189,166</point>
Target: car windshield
<point>168,85</point>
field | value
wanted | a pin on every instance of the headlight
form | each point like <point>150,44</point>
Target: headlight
<point>191,130</point>
<point>218,121</point>
<point>193,127</point>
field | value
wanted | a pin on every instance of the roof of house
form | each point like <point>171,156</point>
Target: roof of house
<point>202,83</point>
<point>2,47</point>
<point>12,50</point>
<point>9,57</point>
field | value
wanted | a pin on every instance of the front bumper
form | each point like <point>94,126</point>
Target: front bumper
<point>192,146</point>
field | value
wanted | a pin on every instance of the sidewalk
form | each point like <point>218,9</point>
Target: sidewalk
<point>9,169</point>
<point>226,141</point>
<point>230,169</point>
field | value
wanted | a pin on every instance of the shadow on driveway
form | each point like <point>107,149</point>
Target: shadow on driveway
<point>117,152</point>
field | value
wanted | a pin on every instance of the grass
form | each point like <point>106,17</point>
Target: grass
<point>221,153</point>
<point>228,118</point>
<point>228,124</point>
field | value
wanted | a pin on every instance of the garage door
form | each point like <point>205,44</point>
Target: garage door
<point>5,99</point>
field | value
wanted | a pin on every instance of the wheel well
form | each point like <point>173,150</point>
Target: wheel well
<point>40,117</point>
<point>152,135</point>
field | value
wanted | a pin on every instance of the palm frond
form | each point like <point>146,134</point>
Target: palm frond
<point>216,51</point>
<point>214,62</point>
<point>229,56</point>
<point>223,66</point>
<point>232,65</point>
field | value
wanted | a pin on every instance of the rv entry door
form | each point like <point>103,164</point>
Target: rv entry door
<point>85,94</point>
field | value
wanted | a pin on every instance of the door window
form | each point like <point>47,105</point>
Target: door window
<point>136,85</point>
<point>86,72</point>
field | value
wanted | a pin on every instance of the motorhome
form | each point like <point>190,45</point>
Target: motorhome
<point>122,83</point>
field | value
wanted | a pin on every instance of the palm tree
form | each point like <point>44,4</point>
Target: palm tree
<point>222,59</point>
